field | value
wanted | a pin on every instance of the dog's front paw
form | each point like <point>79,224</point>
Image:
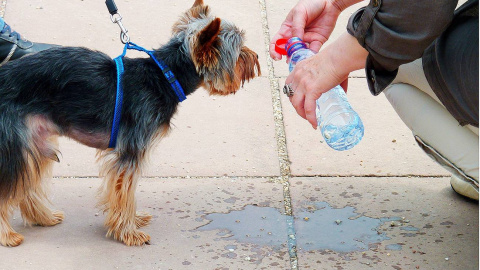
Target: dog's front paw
<point>11,239</point>
<point>135,238</point>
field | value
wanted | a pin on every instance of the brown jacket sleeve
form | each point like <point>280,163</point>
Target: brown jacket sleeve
<point>396,32</point>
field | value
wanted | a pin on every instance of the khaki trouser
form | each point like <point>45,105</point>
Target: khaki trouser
<point>436,131</point>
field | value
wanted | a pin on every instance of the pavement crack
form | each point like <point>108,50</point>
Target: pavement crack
<point>281,141</point>
<point>3,7</point>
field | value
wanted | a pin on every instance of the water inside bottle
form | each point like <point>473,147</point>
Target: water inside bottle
<point>343,136</point>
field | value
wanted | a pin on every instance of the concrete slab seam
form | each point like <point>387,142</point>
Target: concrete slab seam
<point>3,7</point>
<point>350,77</point>
<point>273,179</point>
<point>281,142</point>
<point>370,175</point>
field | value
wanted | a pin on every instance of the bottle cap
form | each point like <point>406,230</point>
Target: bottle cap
<point>285,46</point>
<point>280,46</point>
<point>294,44</point>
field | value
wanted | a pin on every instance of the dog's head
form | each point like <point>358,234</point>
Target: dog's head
<point>217,49</point>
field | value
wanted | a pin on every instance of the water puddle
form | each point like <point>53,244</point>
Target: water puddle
<point>339,229</point>
<point>316,227</point>
<point>264,226</point>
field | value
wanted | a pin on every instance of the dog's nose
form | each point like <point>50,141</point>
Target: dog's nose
<point>257,55</point>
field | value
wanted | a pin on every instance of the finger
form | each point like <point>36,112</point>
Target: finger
<point>298,22</point>
<point>273,54</point>
<point>313,37</point>
<point>298,96</point>
<point>344,85</point>
<point>289,78</point>
<point>315,46</point>
<point>284,32</point>
<point>298,31</point>
<point>298,105</point>
<point>310,113</point>
<point>298,101</point>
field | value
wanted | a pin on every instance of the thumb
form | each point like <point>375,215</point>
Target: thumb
<point>298,24</point>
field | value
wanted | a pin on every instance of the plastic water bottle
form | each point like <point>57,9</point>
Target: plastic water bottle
<point>339,124</point>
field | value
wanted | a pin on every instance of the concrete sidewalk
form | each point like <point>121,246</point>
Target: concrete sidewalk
<point>242,182</point>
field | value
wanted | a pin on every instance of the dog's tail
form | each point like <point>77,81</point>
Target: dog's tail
<point>20,163</point>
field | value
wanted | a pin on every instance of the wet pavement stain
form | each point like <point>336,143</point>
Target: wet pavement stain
<point>317,226</point>
<point>263,226</point>
<point>393,247</point>
<point>322,227</point>
<point>409,228</point>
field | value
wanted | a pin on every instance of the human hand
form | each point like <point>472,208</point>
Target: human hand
<point>311,20</point>
<point>310,79</point>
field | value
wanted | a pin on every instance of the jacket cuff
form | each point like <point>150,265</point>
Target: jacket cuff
<point>377,78</point>
<point>358,25</point>
<point>360,22</point>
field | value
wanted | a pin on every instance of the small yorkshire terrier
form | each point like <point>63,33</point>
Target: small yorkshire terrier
<point>71,91</point>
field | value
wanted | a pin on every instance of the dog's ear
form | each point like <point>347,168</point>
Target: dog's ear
<point>197,11</point>
<point>205,50</point>
<point>197,3</point>
<point>209,35</point>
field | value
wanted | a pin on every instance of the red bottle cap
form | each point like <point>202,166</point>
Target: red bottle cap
<point>280,46</point>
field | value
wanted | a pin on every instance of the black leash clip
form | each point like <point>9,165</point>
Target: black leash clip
<point>117,18</point>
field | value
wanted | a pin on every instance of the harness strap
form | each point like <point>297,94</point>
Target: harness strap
<point>175,85</point>
<point>118,103</point>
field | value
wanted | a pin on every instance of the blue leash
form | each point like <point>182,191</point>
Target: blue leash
<point>177,88</point>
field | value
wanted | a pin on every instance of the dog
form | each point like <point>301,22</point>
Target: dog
<point>71,91</point>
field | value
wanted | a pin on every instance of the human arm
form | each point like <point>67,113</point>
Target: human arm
<point>311,20</point>
<point>391,32</point>
<point>397,32</point>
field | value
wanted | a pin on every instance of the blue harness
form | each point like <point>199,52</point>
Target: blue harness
<point>177,88</point>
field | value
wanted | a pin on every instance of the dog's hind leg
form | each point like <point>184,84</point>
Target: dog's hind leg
<point>33,206</point>
<point>44,148</point>
<point>8,237</point>
<point>122,173</point>
<point>35,212</point>
<point>14,175</point>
